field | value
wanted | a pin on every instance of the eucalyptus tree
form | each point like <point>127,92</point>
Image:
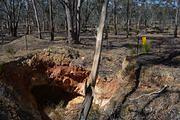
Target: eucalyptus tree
<point>51,19</point>
<point>127,23</point>
<point>12,10</point>
<point>115,3</point>
<point>37,18</point>
<point>73,14</point>
<point>176,18</point>
<point>87,13</point>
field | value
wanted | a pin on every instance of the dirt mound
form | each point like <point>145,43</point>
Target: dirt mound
<point>20,43</point>
<point>46,78</point>
<point>40,81</point>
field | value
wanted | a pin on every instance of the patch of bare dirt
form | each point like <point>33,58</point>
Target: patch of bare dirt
<point>36,77</point>
<point>44,79</point>
<point>51,81</point>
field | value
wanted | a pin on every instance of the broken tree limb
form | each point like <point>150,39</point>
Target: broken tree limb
<point>163,90</point>
<point>89,88</point>
<point>152,93</point>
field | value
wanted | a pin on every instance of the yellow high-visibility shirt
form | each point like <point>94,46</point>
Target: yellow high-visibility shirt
<point>144,40</point>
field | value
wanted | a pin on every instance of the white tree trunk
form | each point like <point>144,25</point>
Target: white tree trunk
<point>37,20</point>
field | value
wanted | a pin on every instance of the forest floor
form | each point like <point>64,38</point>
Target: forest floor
<point>115,49</point>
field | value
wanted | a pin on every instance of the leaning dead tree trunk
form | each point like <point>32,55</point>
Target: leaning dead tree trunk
<point>37,20</point>
<point>51,20</point>
<point>176,20</point>
<point>90,85</point>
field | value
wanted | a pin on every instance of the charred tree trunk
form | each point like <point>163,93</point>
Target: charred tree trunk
<point>89,88</point>
<point>37,20</point>
<point>51,20</point>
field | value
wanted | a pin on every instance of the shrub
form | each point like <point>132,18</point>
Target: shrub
<point>145,45</point>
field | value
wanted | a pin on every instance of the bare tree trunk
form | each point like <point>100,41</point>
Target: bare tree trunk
<point>77,40</point>
<point>127,23</point>
<point>115,17</point>
<point>51,20</point>
<point>69,22</point>
<point>27,18</point>
<point>139,21</point>
<point>43,25</point>
<point>37,20</point>
<point>176,21</point>
<point>89,88</point>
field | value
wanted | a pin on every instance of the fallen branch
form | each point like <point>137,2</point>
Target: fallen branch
<point>150,94</point>
<point>163,90</point>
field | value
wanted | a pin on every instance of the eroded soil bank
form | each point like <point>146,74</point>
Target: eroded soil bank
<point>45,81</point>
<point>49,86</point>
<point>42,80</point>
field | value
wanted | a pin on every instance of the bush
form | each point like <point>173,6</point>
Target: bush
<point>147,47</point>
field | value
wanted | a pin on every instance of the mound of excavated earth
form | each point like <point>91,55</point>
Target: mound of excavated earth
<point>32,84</point>
<point>50,86</point>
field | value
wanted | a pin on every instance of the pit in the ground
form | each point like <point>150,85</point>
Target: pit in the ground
<point>50,96</point>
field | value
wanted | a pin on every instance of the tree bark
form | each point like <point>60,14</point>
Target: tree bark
<point>37,20</point>
<point>176,20</point>
<point>69,22</point>
<point>139,21</point>
<point>51,20</point>
<point>127,22</point>
<point>115,17</point>
<point>77,40</point>
<point>90,86</point>
<point>13,13</point>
